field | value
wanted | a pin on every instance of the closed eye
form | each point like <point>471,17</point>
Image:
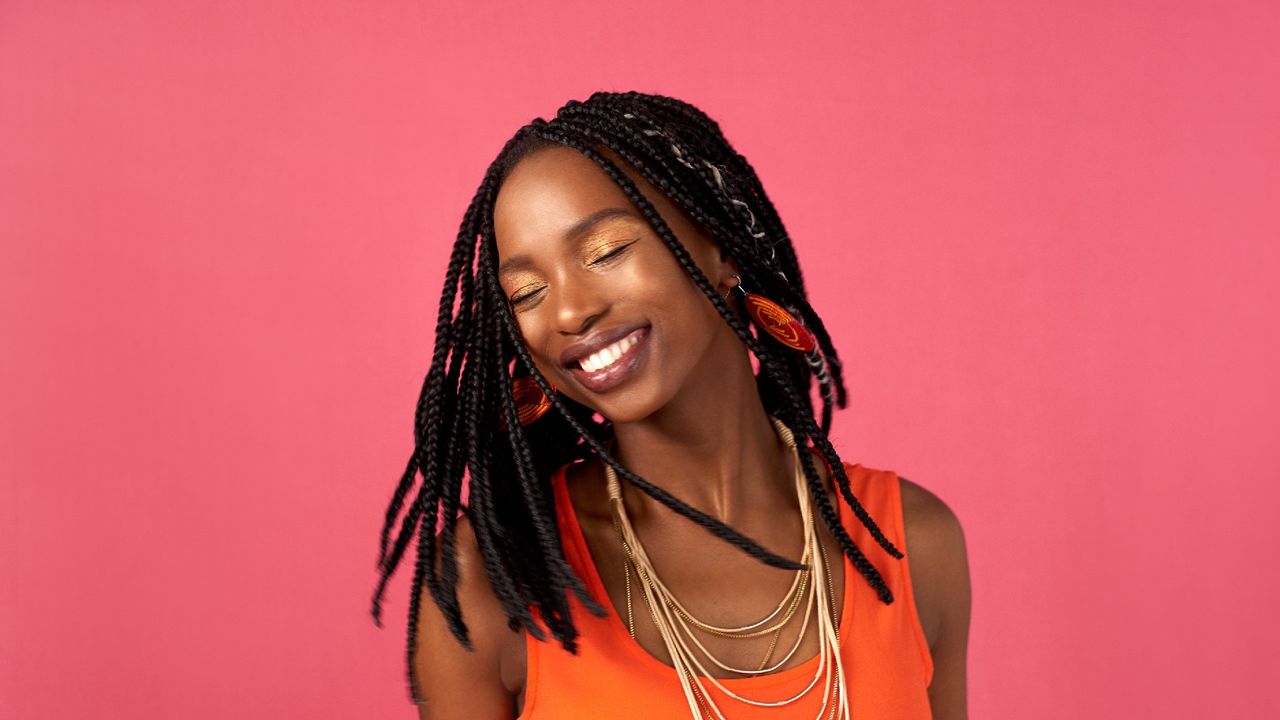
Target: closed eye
<point>525,296</point>
<point>612,253</point>
<point>602,260</point>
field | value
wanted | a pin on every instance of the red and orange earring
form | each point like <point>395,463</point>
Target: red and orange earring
<point>775,320</point>
<point>531,402</point>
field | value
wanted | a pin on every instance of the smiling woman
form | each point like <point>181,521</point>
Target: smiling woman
<point>592,378</point>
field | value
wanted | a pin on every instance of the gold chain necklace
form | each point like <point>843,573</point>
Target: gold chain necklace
<point>676,624</point>
<point>629,563</point>
<point>835,689</point>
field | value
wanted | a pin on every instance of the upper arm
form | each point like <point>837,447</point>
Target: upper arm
<point>453,681</point>
<point>940,581</point>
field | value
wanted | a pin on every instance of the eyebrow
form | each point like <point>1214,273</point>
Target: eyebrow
<point>577,230</point>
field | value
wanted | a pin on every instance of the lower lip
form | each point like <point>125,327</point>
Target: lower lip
<point>623,368</point>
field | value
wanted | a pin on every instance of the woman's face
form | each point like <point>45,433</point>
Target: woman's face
<point>607,312</point>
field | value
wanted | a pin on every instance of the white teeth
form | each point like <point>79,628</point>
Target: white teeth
<point>605,357</point>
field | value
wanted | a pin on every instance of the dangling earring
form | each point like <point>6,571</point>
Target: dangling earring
<point>775,320</point>
<point>531,402</point>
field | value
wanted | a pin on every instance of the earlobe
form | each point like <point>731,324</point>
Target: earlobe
<point>728,284</point>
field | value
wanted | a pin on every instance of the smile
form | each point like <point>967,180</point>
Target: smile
<point>609,355</point>
<point>613,364</point>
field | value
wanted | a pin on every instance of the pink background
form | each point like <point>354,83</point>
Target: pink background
<point>1045,235</point>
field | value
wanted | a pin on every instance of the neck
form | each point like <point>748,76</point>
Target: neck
<point>713,446</point>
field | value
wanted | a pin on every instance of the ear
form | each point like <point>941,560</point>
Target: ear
<point>725,270</point>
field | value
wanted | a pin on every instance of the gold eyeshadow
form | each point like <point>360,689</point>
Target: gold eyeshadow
<point>604,250</point>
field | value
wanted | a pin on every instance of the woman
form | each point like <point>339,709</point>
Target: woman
<point>656,523</point>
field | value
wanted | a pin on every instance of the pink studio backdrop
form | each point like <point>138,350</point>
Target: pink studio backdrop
<point>1045,235</point>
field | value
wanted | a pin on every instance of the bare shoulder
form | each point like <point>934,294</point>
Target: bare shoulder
<point>940,582</point>
<point>931,522</point>
<point>936,551</point>
<point>457,681</point>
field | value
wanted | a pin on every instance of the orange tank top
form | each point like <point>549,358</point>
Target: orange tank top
<point>886,658</point>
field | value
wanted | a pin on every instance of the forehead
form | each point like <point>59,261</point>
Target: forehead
<point>548,191</point>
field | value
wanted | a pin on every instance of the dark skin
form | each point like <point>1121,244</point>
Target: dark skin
<point>689,420</point>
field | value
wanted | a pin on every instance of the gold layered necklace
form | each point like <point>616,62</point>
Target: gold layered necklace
<point>678,627</point>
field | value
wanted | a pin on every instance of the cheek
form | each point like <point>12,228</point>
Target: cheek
<point>545,364</point>
<point>685,317</point>
<point>659,279</point>
<point>532,335</point>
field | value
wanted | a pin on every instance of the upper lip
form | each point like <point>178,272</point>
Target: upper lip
<point>598,341</point>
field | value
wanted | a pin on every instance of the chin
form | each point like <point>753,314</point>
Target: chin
<point>638,407</point>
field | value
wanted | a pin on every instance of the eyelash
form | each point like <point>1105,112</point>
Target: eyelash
<point>612,254</point>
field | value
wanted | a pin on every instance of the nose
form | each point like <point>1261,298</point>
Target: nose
<point>579,303</point>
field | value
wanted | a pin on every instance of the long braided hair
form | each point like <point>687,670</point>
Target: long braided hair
<point>466,417</point>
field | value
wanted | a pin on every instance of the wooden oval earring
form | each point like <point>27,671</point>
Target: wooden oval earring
<point>531,402</point>
<point>775,320</point>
